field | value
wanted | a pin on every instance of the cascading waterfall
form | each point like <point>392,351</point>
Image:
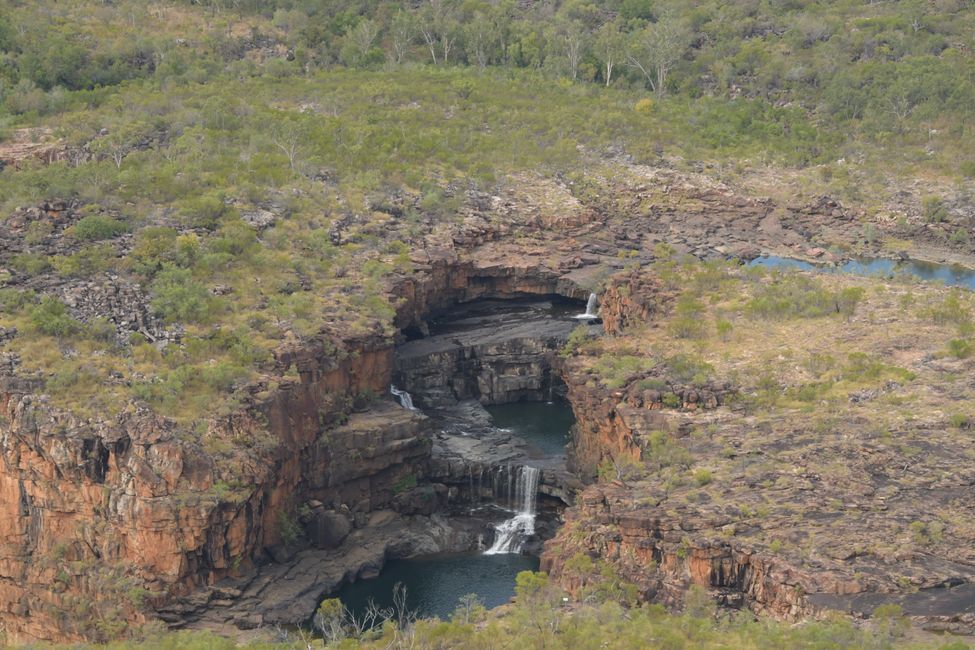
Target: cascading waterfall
<point>404,398</point>
<point>591,309</point>
<point>510,535</point>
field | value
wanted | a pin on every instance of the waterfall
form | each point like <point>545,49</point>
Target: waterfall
<point>470,481</point>
<point>510,535</point>
<point>591,309</point>
<point>404,398</point>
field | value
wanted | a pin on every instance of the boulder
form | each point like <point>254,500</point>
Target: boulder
<point>328,529</point>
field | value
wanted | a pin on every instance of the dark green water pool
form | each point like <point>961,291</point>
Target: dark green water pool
<point>544,424</point>
<point>435,583</point>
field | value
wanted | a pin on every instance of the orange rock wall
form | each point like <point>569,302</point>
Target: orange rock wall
<point>140,495</point>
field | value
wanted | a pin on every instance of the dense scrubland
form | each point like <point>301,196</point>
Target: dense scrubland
<point>179,119</point>
<point>605,618</point>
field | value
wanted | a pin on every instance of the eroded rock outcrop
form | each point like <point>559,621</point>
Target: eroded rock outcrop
<point>496,353</point>
<point>156,507</point>
<point>771,505</point>
<point>135,502</point>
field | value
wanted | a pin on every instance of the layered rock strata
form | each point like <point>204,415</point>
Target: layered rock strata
<point>791,512</point>
<point>133,502</point>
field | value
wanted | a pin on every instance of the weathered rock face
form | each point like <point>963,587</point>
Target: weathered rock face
<point>614,425</point>
<point>654,549</point>
<point>631,298</point>
<point>495,354</point>
<point>602,430</point>
<point>136,502</point>
<point>148,501</point>
<point>34,145</point>
<point>360,464</point>
<point>488,352</point>
<point>442,282</point>
<point>788,513</point>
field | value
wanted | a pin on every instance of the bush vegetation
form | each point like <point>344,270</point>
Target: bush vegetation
<point>191,125</point>
<point>540,618</point>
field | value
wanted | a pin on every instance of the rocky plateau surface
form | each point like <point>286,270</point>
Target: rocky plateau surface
<point>784,510</point>
<point>91,508</point>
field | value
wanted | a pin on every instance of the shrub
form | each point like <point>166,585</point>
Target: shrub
<point>289,528</point>
<point>702,477</point>
<point>671,400</point>
<point>689,368</point>
<point>951,310</point>
<point>51,317</point>
<point>38,231</point>
<point>644,105</point>
<point>960,348</point>
<point>959,237</point>
<point>96,228</point>
<point>615,371</point>
<point>934,209</point>
<point>204,211</point>
<point>960,421</point>
<point>13,300</point>
<point>927,533</point>
<point>576,339</point>
<point>847,300</point>
<point>405,483</point>
<point>891,622</point>
<point>154,245</point>
<point>791,296</point>
<point>178,297</point>
<point>688,322</point>
<point>724,328</point>
<point>30,264</point>
<point>86,262</point>
<point>819,363</point>
<point>860,366</point>
<point>661,450</point>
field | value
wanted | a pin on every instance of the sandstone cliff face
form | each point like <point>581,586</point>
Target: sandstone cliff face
<point>787,511</point>
<point>602,430</point>
<point>494,355</point>
<point>155,507</point>
<point>632,298</point>
<point>139,503</point>
<point>441,282</point>
<point>90,512</point>
<point>659,551</point>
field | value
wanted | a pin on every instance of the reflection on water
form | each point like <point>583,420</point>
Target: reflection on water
<point>544,425</point>
<point>435,583</point>
<point>955,276</point>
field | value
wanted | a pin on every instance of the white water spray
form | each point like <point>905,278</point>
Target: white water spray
<point>404,398</point>
<point>510,535</point>
<point>592,307</point>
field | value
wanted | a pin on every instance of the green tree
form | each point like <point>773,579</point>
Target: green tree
<point>609,48</point>
<point>656,49</point>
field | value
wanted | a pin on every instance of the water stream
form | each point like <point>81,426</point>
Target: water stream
<point>435,583</point>
<point>544,425</point>
<point>954,276</point>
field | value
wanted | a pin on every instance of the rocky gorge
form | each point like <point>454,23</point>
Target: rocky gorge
<point>319,476</point>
